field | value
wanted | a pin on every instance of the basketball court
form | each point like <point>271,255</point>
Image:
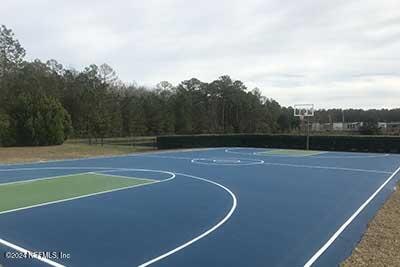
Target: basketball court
<point>207,207</point>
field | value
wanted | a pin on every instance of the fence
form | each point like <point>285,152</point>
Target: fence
<point>385,144</point>
<point>140,142</point>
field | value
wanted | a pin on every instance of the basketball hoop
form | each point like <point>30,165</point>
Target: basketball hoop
<point>303,111</point>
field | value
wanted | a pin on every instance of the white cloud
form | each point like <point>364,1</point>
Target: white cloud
<point>328,52</point>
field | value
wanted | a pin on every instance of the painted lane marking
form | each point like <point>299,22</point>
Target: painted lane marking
<point>209,231</point>
<point>275,152</point>
<point>310,156</point>
<point>53,263</point>
<point>349,220</point>
<point>164,157</point>
<point>282,164</point>
<point>352,157</point>
<point>324,167</point>
<point>44,178</point>
<point>97,193</point>
<point>105,173</point>
<point>226,162</point>
<point>30,253</point>
<point>212,229</point>
<point>79,197</point>
<point>55,168</point>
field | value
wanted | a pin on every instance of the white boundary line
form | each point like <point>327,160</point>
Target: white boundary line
<point>97,193</point>
<point>209,231</point>
<point>271,153</point>
<point>274,163</point>
<point>310,156</point>
<point>30,253</point>
<point>80,168</point>
<point>99,173</point>
<point>83,196</point>
<point>55,168</point>
<point>44,178</point>
<point>127,169</point>
<point>195,160</point>
<point>214,161</point>
<point>309,263</point>
<point>165,157</point>
<point>105,173</point>
<point>226,160</point>
<point>53,263</point>
<point>351,157</point>
<point>324,167</point>
<point>173,175</point>
<point>349,220</point>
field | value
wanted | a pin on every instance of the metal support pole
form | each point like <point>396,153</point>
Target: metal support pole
<point>308,133</point>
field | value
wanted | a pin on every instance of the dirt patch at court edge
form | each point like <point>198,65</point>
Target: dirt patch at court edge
<point>380,245</point>
<point>65,151</point>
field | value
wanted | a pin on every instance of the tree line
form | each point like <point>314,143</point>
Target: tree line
<point>357,115</point>
<point>43,103</point>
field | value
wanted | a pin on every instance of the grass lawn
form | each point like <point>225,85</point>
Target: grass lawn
<point>65,151</point>
<point>28,193</point>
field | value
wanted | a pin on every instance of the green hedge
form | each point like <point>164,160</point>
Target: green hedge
<point>334,143</point>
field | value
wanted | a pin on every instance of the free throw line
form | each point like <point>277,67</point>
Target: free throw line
<point>94,194</point>
<point>53,263</point>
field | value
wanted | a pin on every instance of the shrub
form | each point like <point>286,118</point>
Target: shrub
<point>6,136</point>
<point>39,120</point>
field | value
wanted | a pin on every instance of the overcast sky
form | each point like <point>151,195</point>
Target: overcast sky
<point>333,53</point>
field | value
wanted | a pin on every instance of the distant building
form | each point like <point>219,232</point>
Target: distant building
<point>393,128</point>
<point>316,127</point>
<point>382,125</point>
<point>385,127</point>
<point>338,126</point>
<point>352,126</point>
<point>321,127</point>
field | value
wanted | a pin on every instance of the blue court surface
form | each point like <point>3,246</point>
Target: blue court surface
<point>207,207</point>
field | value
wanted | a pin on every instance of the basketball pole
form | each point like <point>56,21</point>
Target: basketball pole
<point>304,111</point>
<point>308,133</point>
